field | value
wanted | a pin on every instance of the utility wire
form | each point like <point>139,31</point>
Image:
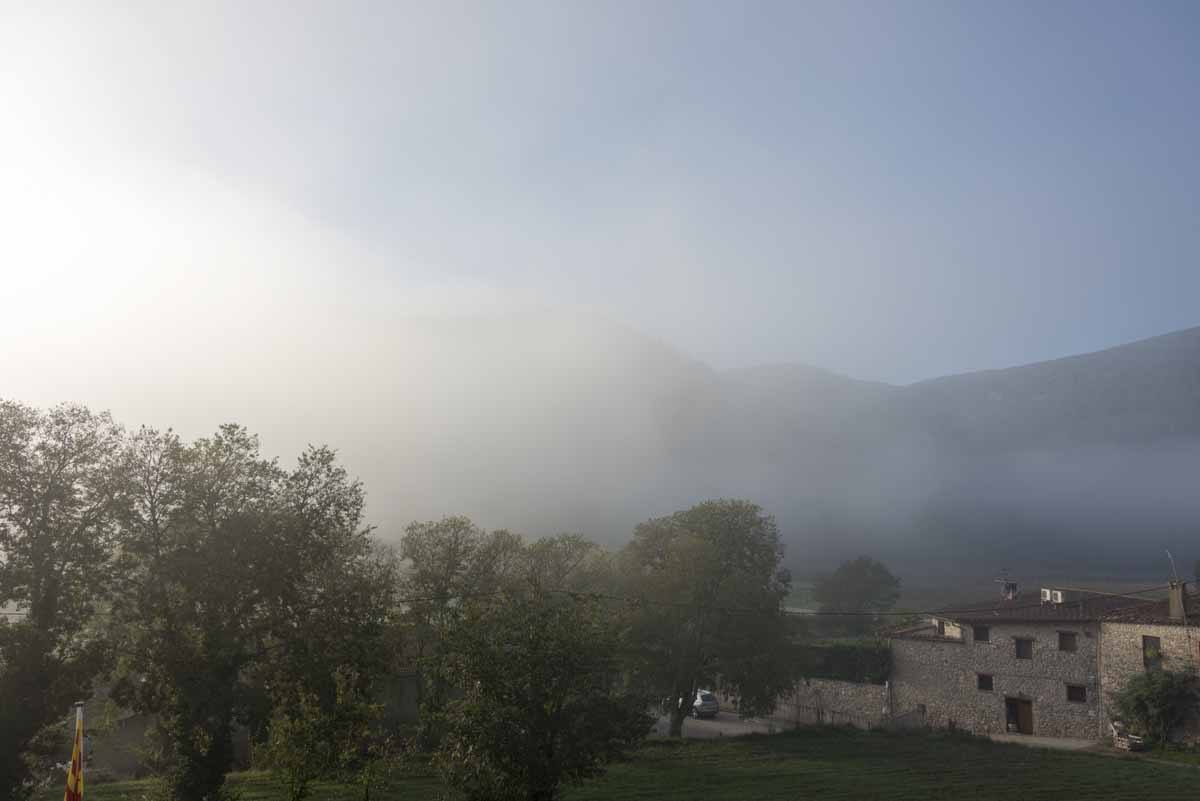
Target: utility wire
<point>944,612</point>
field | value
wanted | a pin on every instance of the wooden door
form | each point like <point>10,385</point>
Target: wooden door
<point>1019,714</point>
<point>1025,717</point>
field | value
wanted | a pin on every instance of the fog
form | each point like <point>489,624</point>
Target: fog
<point>564,270</point>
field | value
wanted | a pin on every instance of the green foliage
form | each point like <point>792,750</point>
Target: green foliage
<point>451,563</point>
<point>1154,703</point>
<point>712,615</point>
<point>446,561</point>
<point>59,488</point>
<point>862,587</point>
<point>568,562</point>
<point>237,573</point>
<point>300,746</point>
<point>863,661</point>
<point>542,702</point>
<point>311,738</point>
<point>373,763</point>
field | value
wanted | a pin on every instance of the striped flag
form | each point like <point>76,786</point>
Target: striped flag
<point>75,777</point>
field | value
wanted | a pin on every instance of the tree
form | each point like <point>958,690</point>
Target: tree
<point>543,701</point>
<point>310,738</point>
<point>862,587</point>
<point>1154,703</point>
<point>59,488</point>
<point>234,569</point>
<point>568,562</point>
<point>710,593</point>
<point>448,561</point>
<point>300,746</point>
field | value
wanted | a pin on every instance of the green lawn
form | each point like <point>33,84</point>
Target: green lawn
<point>258,786</point>
<point>822,763</point>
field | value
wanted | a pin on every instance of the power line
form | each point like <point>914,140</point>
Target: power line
<point>944,612</point>
<point>641,600</point>
<point>1127,594</point>
<point>814,612</point>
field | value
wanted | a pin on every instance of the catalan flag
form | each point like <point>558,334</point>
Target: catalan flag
<point>75,776</point>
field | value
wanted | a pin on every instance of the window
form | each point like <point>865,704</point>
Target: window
<point>1067,641</point>
<point>1024,648</point>
<point>1151,653</point>
<point>983,681</point>
<point>1077,693</point>
<point>982,634</point>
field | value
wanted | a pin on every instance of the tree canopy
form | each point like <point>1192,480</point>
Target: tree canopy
<point>709,589</point>
<point>861,587</point>
<point>59,489</point>
<point>543,699</point>
<point>248,570</point>
<point>212,588</point>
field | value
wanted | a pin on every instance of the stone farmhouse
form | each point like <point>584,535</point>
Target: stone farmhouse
<point>1041,663</point>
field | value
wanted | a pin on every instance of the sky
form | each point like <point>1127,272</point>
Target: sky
<point>894,191</point>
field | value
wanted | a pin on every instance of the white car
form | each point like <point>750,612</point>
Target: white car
<point>705,705</point>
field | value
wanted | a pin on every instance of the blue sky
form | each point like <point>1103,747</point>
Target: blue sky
<point>891,190</point>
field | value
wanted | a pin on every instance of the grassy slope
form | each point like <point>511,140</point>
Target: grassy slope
<point>829,764</point>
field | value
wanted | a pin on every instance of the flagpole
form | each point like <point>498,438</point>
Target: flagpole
<point>82,744</point>
<point>74,790</point>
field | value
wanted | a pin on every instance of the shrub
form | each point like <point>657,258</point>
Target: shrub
<point>866,662</point>
<point>1156,702</point>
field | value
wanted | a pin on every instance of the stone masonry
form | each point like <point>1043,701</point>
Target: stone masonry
<point>1043,663</point>
<point>835,702</point>
<point>941,674</point>
<point>1122,656</point>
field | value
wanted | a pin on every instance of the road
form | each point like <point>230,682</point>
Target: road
<point>728,724</point>
<point>725,724</point>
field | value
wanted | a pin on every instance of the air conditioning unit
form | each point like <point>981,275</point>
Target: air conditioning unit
<point>1056,596</point>
<point>1045,595</point>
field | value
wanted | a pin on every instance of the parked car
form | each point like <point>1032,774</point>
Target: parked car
<point>705,705</point>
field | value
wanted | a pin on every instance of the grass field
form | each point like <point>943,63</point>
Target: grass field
<point>823,763</point>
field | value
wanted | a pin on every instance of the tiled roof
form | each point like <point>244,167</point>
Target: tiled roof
<point>1156,613</point>
<point>1028,606</point>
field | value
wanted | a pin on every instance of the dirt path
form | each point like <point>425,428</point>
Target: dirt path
<point>1055,743</point>
<point>725,724</point>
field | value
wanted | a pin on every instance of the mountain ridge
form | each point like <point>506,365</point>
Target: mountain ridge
<point>1069,454</point>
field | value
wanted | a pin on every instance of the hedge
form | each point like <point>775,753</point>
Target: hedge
<point>862,661</point>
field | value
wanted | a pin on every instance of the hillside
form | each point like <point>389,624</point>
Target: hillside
<point>1136,394</point>
<point>547,421</point>
<point>1084,463</point>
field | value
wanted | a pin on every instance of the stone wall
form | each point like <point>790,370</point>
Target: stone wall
<point>940,675</point>
<point>1121,656</point>
<point>816,701</point>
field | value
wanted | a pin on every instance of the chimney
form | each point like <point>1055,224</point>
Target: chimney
<point>1177,600</point>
